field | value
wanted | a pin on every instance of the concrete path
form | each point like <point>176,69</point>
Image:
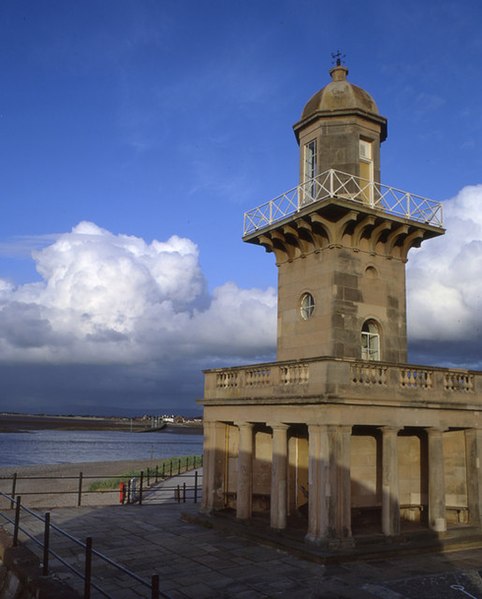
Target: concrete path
<point>169,490</point>
<point>197,562</point>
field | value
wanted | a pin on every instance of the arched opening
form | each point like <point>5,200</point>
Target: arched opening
<point>370,341</point>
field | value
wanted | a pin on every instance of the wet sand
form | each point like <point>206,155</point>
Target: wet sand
<point>10,423</point>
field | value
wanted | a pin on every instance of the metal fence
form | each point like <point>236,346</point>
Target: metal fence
<point>44,542</point>
<point>174,481</point>
<point>127,488</point>
<point>337,184</point>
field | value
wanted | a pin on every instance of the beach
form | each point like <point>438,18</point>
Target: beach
<point>62,489</point>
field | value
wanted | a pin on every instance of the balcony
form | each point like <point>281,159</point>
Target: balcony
<point>348,381</point>
<point>337,184</point>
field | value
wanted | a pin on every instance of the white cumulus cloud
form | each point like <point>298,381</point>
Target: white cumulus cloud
<point>445,284</point>
<point>107,298</point>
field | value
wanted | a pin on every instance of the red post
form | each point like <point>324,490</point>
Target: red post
<point>122,492</point>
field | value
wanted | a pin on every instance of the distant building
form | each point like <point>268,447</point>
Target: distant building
<point>340,428</point>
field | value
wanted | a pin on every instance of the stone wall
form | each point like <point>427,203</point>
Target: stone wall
<point>21,575</point>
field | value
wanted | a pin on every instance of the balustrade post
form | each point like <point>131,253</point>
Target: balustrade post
<point>195,486</point>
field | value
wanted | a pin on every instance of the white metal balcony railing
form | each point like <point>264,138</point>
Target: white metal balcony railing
<point>337,184</point>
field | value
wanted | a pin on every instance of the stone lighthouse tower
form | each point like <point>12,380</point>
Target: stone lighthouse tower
<point>341,253</point>
<point>340,429</point>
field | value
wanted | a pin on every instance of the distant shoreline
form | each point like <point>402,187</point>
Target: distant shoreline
<point>15,423</point>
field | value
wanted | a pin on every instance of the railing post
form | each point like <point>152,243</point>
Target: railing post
<point>155,586</point>
<point>141,483</point>
<point>88,567</point>
<point>170,468</point>
<point>157,473</point>
<point>16,527</point>
<point>163,470</point>
<point>12,494</point>
<point>79,495</point>
<point>195,486</point>
<point>179,466</point>
<point>46,546</point>
<point>148,477</point>
<point>184,492</point>
<point>178,494</point>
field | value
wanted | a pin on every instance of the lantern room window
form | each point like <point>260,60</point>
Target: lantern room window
<point>370,341</point>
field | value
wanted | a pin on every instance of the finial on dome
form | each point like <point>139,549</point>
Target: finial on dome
<point>338,58</point>
<point>339,71</point>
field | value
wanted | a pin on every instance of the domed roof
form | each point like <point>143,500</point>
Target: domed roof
<point>341,97</point>
<point>340,94</point>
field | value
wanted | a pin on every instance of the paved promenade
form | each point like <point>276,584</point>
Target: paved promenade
<point>199,562</point>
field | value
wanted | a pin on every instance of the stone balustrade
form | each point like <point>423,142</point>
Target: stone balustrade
<point>322,379</point>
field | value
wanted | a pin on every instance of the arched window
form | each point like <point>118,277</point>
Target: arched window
<point>370,341</point>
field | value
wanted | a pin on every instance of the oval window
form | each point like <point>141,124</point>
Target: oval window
<point>307,306</point>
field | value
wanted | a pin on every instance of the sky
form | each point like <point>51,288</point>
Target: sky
<point>135,133</point>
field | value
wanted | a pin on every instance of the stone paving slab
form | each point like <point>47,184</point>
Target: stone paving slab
<point>198,562</point>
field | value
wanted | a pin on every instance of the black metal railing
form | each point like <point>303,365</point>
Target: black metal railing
<point>129,487</point>
<point>87,546</point>
<point>185,488</point>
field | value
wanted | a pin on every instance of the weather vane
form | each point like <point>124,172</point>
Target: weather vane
<point>338,58</point>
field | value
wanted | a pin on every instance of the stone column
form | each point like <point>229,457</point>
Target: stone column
<point>244,497</point>
<point>473,452</point>
<point>339,501</point>
<point>390,482</point>
<point>436,481</point>
<point>279,476</point>
<point>318,483</point>
<point>213,466</point>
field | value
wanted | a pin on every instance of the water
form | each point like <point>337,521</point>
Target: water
<point>65,447</point>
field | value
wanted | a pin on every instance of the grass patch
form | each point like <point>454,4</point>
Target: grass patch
<point>164,469</point>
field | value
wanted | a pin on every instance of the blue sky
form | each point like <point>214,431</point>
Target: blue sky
<point>151,119</point>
